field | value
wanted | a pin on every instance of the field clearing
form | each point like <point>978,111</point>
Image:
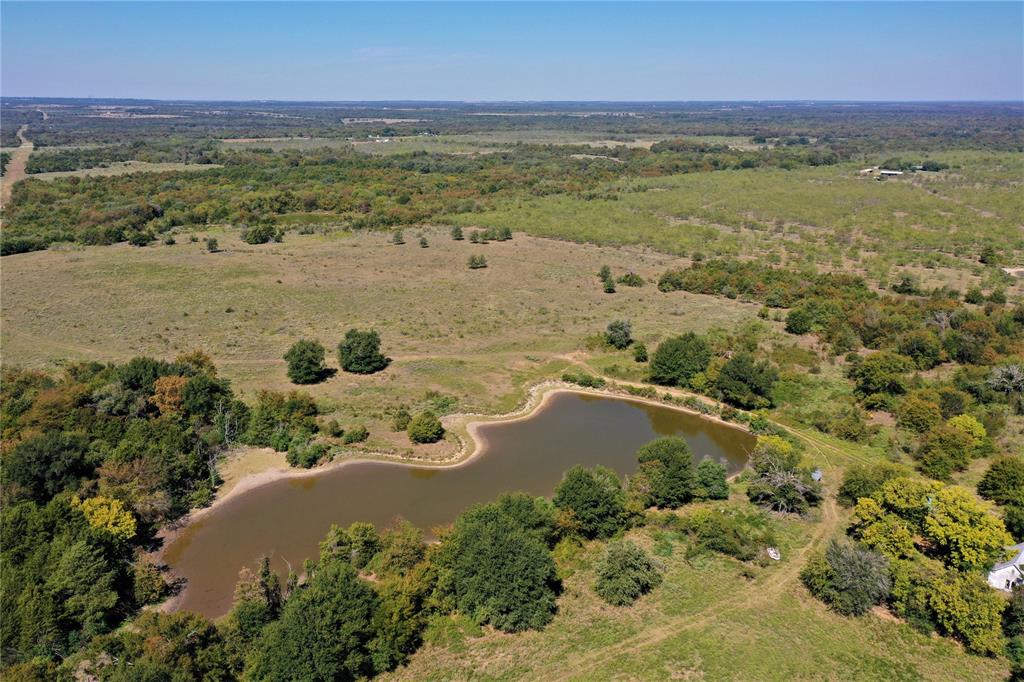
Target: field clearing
<point>827,216</point>
<point>479,335</point>
<point>125,168</point>
<point>708,620</point>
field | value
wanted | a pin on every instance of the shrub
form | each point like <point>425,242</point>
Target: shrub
<point>1003,483</point>
<point>397,237</point>
<point>581,378</point>
<point>639,352</point>
<point>711,482</point>
<point>400,422</point>
<point>667,465</point>
<point>457,234</point>
<point>739,535</point>
<point>359,352</point>
<point>619,334</point>
<point>303,453</point>
<point>864,480</point>
<point>917,414</point>
<point>261,234</point>
<point>799,321</point>
<point>593,499</point>
<point>305,362</point>
<point>425,427</point>
<point>850,578</point>
<point>476,262</point>
<point>945,449</point>
<point>625,573</point>
<point>631,279</point>
<point>1013,519</point>
<point>609,286</point>
<point>882,372</point>
<point>921,345</point>
<point>424,243</point>
<point>211,245</point>
<point>356,434</point>
<point>678,359</point>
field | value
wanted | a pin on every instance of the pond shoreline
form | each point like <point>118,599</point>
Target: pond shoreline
<point>464,426</point>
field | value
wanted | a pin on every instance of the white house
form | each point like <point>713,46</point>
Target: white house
<point>1009,573</point>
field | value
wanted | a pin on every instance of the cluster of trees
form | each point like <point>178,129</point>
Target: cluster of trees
<point>358,353</point>
<point>739,380</point>
<point>1003,484</point>
<point>921,548</point>
<point>944,422</point>
<point>778,481</point>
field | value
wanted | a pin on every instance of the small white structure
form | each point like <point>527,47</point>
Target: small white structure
<point>887,173</point>
<point>1009,573</point>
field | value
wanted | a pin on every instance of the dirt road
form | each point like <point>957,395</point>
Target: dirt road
<point>16,166</point>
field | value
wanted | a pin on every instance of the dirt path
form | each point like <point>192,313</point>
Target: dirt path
<point>16,166</point>
<point>586,665</point>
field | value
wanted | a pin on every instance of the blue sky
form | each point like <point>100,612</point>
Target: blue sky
<point>514,51</point>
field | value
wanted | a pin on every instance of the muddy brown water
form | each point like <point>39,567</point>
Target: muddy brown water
<point>286,519</point>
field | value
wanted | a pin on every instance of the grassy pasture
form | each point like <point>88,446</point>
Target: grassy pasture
<point>479,335</point>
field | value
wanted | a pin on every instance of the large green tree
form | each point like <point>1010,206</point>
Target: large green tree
<point>593,499</point>
<point>324,632</point>
<point>678,359</point>
<point>305,362</point>
<point>668,466</point>
<point>359,352</point>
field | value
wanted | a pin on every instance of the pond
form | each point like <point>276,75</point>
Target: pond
<point>286,519</point>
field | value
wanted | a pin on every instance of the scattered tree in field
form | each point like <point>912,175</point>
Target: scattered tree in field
<point>305,362</point>
<point>593,499</point>
<point>639,352</point>
<point>425,427</point>
<point>667,465</point>
<point>359,352</point>
<point>423,243</point>
<point>799,321</point>
<point>619,334</point>
<point>849,577</point>
<point>609,286</point>
<point>711,481</point>
<point>397,237</point>
<point>678,359</point>
<point>625,573</point>
<point>211,245</point>
<point>604,273</point>
<point>476,261</point>
<point>457,234</point>
<point>883,372</point>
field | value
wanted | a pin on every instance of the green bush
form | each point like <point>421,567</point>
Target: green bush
<point>864,480</point>
<point>619,334</point>
<point>625,573</point>
<point>425,427</point>
<point>581,378</point>
<point>356,434</point>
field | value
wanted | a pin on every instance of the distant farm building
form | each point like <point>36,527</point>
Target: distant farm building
<point>1006,575</point>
